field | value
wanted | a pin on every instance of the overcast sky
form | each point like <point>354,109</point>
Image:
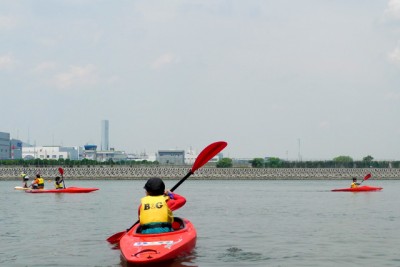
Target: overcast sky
<point>315,78</point>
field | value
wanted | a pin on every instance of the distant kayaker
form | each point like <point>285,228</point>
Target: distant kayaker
<point>38,183</point>
<point>58,183</point>
<point>25,179</point>
<point>155,210</point>
<point>354,184</point>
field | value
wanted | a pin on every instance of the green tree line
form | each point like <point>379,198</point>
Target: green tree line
<point>272,162</point>
<point>337,162</point>
<point>73,163</point>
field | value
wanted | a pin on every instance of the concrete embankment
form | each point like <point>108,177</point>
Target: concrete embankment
<point>138,173</point>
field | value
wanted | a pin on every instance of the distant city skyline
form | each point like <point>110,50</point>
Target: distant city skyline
<point>190,149</point>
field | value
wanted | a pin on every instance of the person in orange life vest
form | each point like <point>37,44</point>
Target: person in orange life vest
<point>354,184</point>
<point>155,210</point>
<point>38,183</point>
<point>58,183</point>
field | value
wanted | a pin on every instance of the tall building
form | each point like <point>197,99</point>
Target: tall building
<point>5,145</point>
<point>104,135</point>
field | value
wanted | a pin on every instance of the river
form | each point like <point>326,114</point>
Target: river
<point>238,222</point>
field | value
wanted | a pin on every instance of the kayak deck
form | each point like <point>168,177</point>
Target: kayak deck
<point>21,188</point>
<point>139,248</point>
<point>364,188</point>
<point>64,190</point>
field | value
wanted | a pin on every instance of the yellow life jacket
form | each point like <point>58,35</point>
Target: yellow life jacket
<point>40,182</point>
<point>354,185</point>
<point>154,209</point>
<point>58,185</point>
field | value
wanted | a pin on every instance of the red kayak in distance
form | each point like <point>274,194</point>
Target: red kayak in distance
<point>138,249</point>
<point>363,188</point>
<point>64,190</point>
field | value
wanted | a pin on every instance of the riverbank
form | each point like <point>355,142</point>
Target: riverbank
<point>138,173</point>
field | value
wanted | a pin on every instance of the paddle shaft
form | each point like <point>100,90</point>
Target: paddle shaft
<point>62,177</point>
<point>181,181</point>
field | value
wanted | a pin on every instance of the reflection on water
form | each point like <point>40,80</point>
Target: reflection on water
<point>187,261</point>
<point>234,254</point>
<point>238,223</point>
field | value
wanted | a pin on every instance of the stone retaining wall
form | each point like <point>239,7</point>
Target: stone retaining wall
<point>121,173</point>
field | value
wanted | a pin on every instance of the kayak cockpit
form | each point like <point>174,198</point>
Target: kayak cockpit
<point>177,225</point>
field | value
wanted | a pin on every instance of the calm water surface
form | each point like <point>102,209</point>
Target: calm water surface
<point>239,223</point>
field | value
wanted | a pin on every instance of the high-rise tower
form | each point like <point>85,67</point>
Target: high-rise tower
<point>104,135</point>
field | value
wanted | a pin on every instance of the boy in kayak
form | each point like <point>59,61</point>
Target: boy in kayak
<point>58,183</point>
<point>354,184</point>
<point>155,210</point>
<point>38,183</point>
<point>25,179</point>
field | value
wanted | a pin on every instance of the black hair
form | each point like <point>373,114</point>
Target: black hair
<point>155,186</point>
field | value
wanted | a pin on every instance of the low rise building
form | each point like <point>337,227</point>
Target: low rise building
<point>50,152</point>
<point>90,152</point>
<point>171,157</point>
<point>16,149</point>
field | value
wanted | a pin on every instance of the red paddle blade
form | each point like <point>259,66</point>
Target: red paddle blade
<point>367,176</point>
<point>116,237</point>
<point>61,171</point>
<point>208,153</point>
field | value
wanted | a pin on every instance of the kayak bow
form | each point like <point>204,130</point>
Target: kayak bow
<point>139,248</point>
<point>363,188</point>
<point>64,190</point>
<point>21,188</point>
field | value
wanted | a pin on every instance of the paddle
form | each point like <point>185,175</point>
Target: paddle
<point>205,155</point>
<point>366,178</point>
<point>61,171</point>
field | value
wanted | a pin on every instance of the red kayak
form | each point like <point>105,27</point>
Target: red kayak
<point>64,190</point>
<point>139,248</point>
<point>363,188</point>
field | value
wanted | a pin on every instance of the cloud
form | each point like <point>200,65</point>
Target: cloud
<point>393,9</point>
<point>324,125</point>
<point>163,60</point>
<point>8,22</point>
<point>44,66</point>
<point>49,42</point>
<point>76,76</point>
<point>394,56</point>
<point>113,79</point>
<point>6,62</point>
<point>392,95</point>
